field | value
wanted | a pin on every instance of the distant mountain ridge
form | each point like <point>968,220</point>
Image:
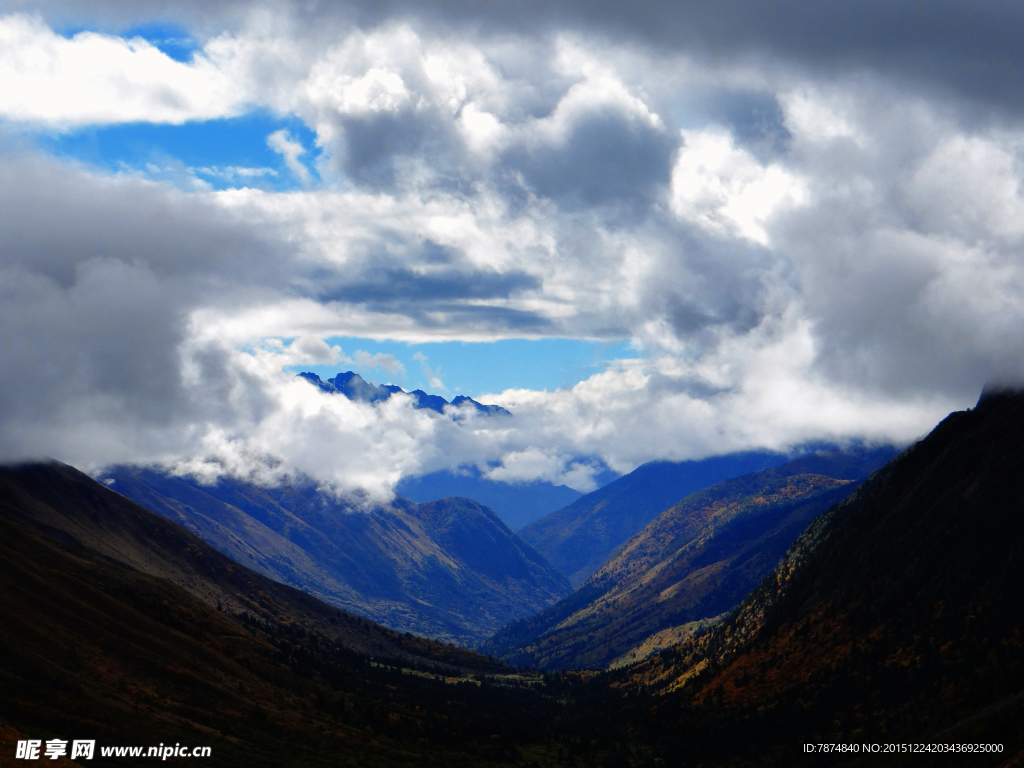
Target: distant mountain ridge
<point>580,538</point>
<point>517,504</point>
<point>695,561</point>
<point>449,569</point>
<point>355,387</point>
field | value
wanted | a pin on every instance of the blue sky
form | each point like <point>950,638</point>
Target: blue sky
<point>174,40</point>
<point>225,153</point>
<point>213,150</point>
<point>473,368</point>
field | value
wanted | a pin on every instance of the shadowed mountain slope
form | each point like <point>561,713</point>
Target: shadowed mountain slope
<point>894,617</point>
<point>448,569</point>
<point>695,561</point>
<point>77,512</point>
<point>579,538</point>
<point>120,626</point>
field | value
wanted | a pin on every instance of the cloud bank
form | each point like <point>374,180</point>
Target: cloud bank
<point>797,252</point>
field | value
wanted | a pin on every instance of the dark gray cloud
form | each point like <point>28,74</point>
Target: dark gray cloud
<point>956,47</point>
<point>495,319</point>
<point>971,49</point>
<point>403,289</point>
<point>608,157</point>
<point>55,216</point>
<point>98,277</point>
<point>950,47</point>
<point>375,150</point>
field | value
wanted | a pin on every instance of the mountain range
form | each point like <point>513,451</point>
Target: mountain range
<point>517,504</point>
<point>580,538</point>
<point>355,387</point>
<point>448,569</point>
<point>692,563</point>
<point>893,619</point>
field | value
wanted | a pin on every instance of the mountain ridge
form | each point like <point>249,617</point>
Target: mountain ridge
<point>65,504</point>
<point>196,649</point>
<point>695,561</point>
<point>355,387</point>
<point>391,563</point>
<point>579,538</point>
<point>893,619</point>
<point>517,504</point>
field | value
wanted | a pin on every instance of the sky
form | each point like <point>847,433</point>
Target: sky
<point>650,231</point>
<point>473,369</point>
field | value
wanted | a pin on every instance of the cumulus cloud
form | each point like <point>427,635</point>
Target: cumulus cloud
<point>95,79</point>
<point>532,463</point>
<point>795,257</point>
<point>98,277</point>
<point>723,188</point>
<point>954,50</point>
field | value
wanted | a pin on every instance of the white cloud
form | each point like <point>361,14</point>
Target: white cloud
<point>291,150</point>
<point>233,173</point>
<point>533,463</point>
<point>795,260</point>
<point>598,86</point>
<point>305,350</point>
<point>381,360</point>
<point>481,130</point>
<point>378,90</point>
<point>816,116</point>
<point>724,188</point>
<point>99,79</point>
<point>311,350</point>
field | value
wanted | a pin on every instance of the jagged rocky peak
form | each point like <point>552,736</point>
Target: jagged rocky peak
<point>355,387</point>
